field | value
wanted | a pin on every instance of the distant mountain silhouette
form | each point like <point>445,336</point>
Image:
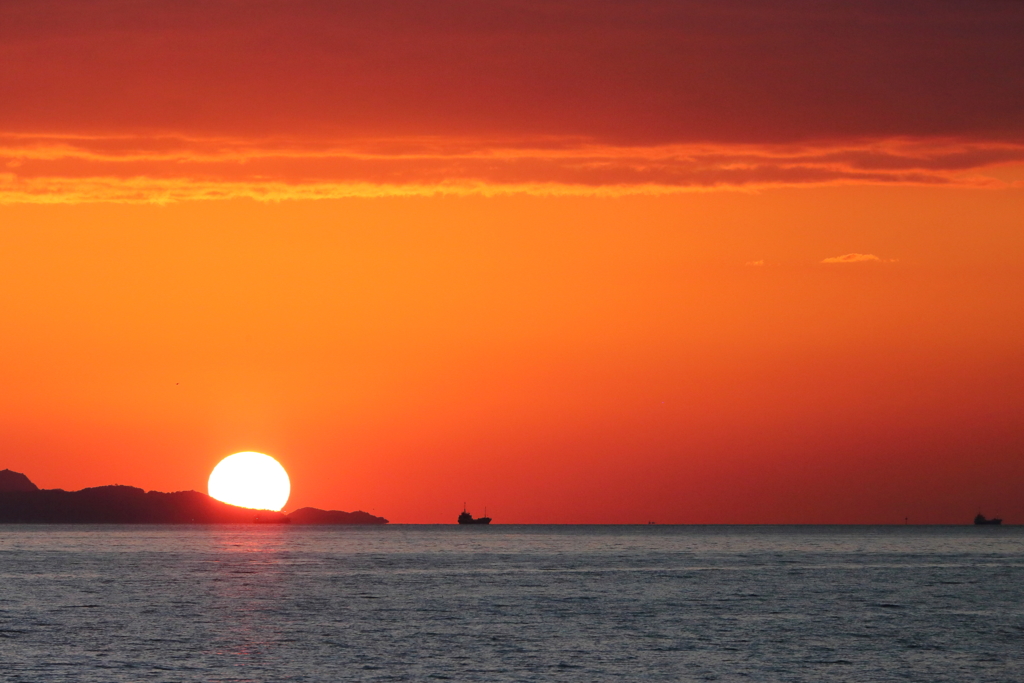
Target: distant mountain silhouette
<point>21,501</point>
<point>15,481</point>
<point>315,516</point>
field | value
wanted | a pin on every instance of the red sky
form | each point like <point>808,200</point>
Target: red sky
<point>577,262</point>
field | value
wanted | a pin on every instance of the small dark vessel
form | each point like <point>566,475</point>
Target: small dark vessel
<point>466,518</point>
<point>980,519</point>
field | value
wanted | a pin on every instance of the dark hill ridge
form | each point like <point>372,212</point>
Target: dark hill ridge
<point>316,516</point>
<point>15,481</point>
<point>21,501</point>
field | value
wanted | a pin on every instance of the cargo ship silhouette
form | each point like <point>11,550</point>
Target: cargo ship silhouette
<point>980,519</point>
<point>466,518</point>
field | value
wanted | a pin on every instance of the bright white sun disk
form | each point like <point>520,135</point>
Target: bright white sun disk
<point>250,480</point>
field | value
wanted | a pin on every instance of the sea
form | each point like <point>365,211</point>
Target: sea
<point>511,603</point>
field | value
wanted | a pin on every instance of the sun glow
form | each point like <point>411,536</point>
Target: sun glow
<point>250,480</point>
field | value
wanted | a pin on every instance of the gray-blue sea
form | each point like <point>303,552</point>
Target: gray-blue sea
<point>511,603</point>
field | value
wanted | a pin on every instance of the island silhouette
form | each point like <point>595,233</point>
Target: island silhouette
<point>21,501</point>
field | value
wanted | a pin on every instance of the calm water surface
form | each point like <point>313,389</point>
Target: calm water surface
<point>511,603</point>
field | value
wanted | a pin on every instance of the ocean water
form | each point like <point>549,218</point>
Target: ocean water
<point>511,603</point>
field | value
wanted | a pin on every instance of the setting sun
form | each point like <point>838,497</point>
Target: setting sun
<point>250,480</point>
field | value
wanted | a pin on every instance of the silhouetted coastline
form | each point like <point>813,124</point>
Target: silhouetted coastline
<point>316,516</point>
<point>22,502</point>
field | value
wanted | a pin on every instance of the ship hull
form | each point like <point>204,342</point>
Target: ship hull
<point>466,518</point>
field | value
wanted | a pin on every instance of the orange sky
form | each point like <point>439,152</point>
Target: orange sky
<point>577,262</point>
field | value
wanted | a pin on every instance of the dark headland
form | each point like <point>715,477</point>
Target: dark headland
<point>22,502</point>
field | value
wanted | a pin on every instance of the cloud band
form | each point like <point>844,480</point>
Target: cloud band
<point>166,168</point>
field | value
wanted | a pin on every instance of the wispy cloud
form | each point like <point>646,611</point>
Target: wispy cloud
<point>852,258</point>
<point>167,168</point>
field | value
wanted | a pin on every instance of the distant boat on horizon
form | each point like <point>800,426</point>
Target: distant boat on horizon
<point>466,518</point>
<point>980,519</point>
